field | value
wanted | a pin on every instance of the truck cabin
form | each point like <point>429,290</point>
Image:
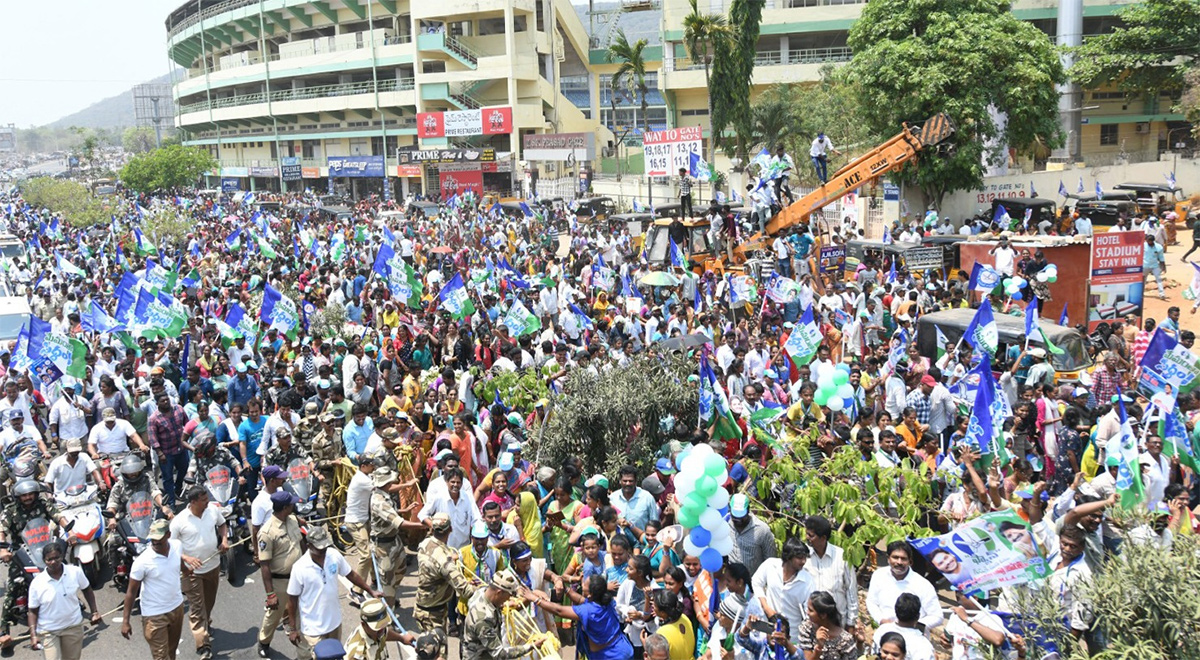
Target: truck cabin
<point>696,245</point>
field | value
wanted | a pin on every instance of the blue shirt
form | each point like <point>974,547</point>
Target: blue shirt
<point>359,283</point>
<point>251,434</point>
<point>242,389</point>
<point>354,311</point>
<point>354,437</point>
<point>1154,256</point>
<point>186,386</point>
<point>638,510</point>
<point>601,626</point>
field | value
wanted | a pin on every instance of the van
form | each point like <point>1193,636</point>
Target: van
<point>14,315</point>
<point>11,247</point>
<point>1073,361</point>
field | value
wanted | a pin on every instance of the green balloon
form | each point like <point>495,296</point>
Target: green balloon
<point>714,464</point>
<point>821,398</point>
<point>705,486</point>
<point>841,378</point>
<point>688,518</point>
<point>1052,278</point>
<point>696,499</point>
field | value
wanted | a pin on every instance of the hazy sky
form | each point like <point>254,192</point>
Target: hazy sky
<point>60,57</point>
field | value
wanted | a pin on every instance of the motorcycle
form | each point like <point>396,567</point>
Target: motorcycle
<point>38,534</point>
<point>223,489</point>
<point>108,466</point>
<point>134,530</point>
<point>81,507</point>
<point>301,482</point>
<point>21,461</point>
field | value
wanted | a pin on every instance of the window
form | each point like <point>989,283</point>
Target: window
<point>1109,133</point>
<point>695,112</point>
<point>1108,96</point>
<point>308,148</point>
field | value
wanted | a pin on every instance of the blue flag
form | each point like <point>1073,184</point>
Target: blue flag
<point>295,247</point>
<point>696,298</point>
<point>1032,192</point>
<point>186,354</point>
<point>1062,319</point>
<point>584,319</point>
<point>97,320</point>
<point>1079,188</point>
<point>1032,331</point>
<point>1000,214</point>
<point>980,431</point>
<point>677,258</point>
<point>389,237</point>
<point>1062,188</point>
<point>1099,191</point>
<point>525,209</point>
<point>307,309</point>
<point>887,236</point>
<point>1171,180</point>
<point>891,276</point>
<point>982,333</point>
<point>983,278</point>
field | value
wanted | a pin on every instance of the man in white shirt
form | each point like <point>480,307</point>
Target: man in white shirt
<point>908,611</point>
<point>20,432</point>
<point>782,586</point>
<point>273,478</point>
<point>155,576</point>
<point>315,613</point>
<point>54,616</point>
<point>783,258</point>
<point>829,570</point>
<point>1005,257</point>
<point>455,502</point>
<point>1157,472</point>
<point>886,587</point>
<point>68,416</point>
<point>821,146</point>
<point>112,436</point>
<point>200,529</point>
<point>358,513</point>
<point>72,469</point>
<point>283,417</point>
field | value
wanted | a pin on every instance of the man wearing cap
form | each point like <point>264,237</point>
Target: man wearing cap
<point>201,531</point>
<point>242,388</point>
<point>112,436</point>
<point>1042,372</point>
<point>314,610</point>
<point>285,450</point>
<point>753,541</point>
<point>369,640</point>
<point>326,451</point>
<point>273,478</point>
<point>156,578</point>
<point>280,545</point>
<point>440,577</point>
<point>72,469</point>
<point>481,632</point>
<point>385,525</point>
<point>309,426</point>
<point>480,559</point>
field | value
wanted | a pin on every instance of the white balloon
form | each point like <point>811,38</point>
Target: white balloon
<point>722,478</point>
<point>723,545</point>
<point>694,466</point>
<point>835,404</point>
<point>710,519</point>
<point>703,449</point>
<point>719,499</point>
<point>684,484</point>
<point>691,548</point>
<point>720,533</point>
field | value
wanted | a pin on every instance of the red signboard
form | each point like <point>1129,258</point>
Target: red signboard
<point>1117,279</point>
<point>408,171</point>
<point>496,120</point>
<point>456,183</point>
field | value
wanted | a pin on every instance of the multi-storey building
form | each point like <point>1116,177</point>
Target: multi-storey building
<point>338,92</point>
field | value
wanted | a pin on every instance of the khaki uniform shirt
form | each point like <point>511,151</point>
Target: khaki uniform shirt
<point>439,574</point>
<point>481,633</point>
<point>385,520</point>
<point>279,544</point>
<point>360,646</point>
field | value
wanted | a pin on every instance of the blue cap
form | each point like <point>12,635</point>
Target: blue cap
<point>665,466</point>
<point>329,649</point>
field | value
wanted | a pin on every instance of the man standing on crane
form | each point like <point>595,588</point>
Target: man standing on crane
<point>782,165</point>
<point>821,147</point>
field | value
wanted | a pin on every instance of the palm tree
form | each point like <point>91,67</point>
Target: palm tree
<point>701,33</point>
<point>631,73</point>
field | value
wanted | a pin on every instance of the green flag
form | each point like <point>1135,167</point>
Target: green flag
<point>520,321</point>
<point>264,246</point>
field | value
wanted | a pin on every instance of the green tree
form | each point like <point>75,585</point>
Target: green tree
<point>69,199</point>
<point>701,33</point>
<point>968,58</point>
<point>168,227</point>
<point>166,168</point>
<point>631,72</point>
<point>733,66</point>
<point>138,139</point>
<point>89,144</point>
<point>1150,53</point>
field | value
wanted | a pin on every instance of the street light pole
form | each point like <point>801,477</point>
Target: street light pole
<point>1174,151</point>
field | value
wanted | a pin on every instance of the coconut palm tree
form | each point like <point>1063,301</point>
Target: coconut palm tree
<point>701,34</point>
<point>631,74</point>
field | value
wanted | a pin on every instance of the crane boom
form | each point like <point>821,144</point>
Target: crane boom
<point>886,157</point>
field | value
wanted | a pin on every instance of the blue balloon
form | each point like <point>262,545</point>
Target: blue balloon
<point>843,367</point>
<point>700,536</point>
<point>724,511</point>
<point>1023,284</point>
<point>679,458</point>
<point>711,560</point>
<point>1017,296</point>
<point>847,403</point>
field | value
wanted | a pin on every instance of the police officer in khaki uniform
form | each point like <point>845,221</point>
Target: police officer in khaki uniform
<point>440,578</point>
<point>369,640</point>
<point>309,426</point>
<point>385,525</point>
<point>481,638</point>
<point>280,544</point>
<point>327,451</point>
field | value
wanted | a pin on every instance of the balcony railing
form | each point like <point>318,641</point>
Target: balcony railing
<point>195,72</point>
<point>321,91</point>
<point>290,130</point>
<point>209,12</point>
<point>777,58</point>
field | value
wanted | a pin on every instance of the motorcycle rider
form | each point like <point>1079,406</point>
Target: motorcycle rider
<point>71,469</point>
<point>112,436</point>
<point>28,503</point>
<point>285,450</point>
<point>209,455</point>
<point>134,478</point>
<point>18,433</point>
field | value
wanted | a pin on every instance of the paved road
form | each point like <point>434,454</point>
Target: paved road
<point>48,168</point>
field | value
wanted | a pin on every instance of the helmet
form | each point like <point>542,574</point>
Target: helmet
<point>27,486</point>
<point>132,467</point>
<point>205,447</point>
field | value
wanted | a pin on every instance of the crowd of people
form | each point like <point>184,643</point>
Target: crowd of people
<point>275,335</point>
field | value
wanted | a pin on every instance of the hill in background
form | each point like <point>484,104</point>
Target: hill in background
<point>113,112</point>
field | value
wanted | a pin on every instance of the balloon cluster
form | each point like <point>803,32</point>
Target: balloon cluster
<point>1013,286</point>
<point>703,502</point>
<point>833,386</point>
<point>1047,274</point>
